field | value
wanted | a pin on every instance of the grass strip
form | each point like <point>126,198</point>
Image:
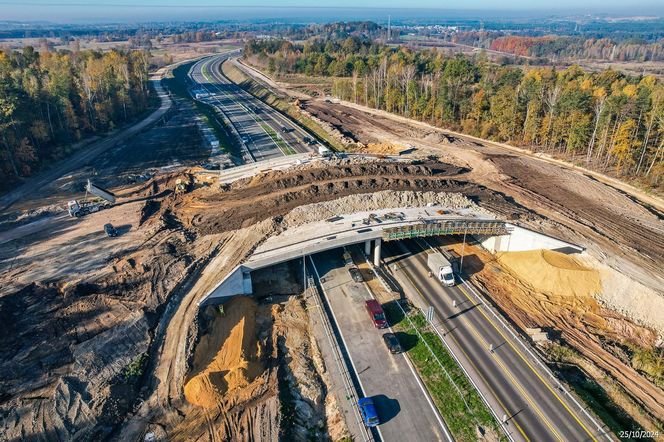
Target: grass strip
<point>285,148</point>
<point>466,417</point>
<point>177,84</point>
<point>259,91</point>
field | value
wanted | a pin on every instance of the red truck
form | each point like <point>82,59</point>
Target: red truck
<point>376,313</point>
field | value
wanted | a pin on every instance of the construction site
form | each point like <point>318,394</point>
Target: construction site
<point>117,337</point>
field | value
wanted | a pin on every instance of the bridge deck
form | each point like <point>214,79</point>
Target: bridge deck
<point>355,228</point>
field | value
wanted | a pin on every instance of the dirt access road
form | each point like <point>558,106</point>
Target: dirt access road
<point>92,150</point>
<point>615,221</point>
<point>622,229</point>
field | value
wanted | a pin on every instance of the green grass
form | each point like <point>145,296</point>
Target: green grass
<point>262,93</point>
<point>462,418</point>
<point>136,367</point>
<point>178,86</point>
<point>564,360</point>
<point>285,148</point>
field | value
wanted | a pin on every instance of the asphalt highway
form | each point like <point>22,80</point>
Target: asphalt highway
<point>534,407</point>
<point>264,132</point>
<point>405,410</point>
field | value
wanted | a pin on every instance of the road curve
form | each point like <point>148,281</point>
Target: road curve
<point>90,152</point>
<point>264,132</point>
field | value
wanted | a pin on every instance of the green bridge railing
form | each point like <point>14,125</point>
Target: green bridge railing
<point>447,227</point>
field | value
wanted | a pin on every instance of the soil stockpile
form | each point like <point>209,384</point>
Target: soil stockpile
<point>599,336</point>
<point>276,193</point>
<point>228,357</point>
<point>552,272</point>
<point>105,335</point>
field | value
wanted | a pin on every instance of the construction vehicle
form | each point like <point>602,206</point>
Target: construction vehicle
<point>371,218</point>
<point>324,151</point>
<point>394,216</point>
<point>441,268</point>
<point>184,184</point>
<point>82,208</point>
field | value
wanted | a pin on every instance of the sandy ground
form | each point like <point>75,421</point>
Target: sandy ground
<point>148,295</point>
<point>563,303</point>
<point>109,340</point>
<point>621,227</point>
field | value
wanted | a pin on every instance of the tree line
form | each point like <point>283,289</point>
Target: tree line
<point>580,48</point>
<point>565,47</point>
<point>50,100</point>
<point>607,120</point>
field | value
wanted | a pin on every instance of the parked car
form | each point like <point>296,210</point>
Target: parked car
<point>355,274</point>
<point>392,343</point>
<point>110,230</point>
<point>376,313</point>
<point>368,412</point>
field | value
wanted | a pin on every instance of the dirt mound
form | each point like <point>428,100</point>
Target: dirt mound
<point>249,201</point>
<point>385,148</point>
<point>228,357</point>
<point>553,272</point>
<point>374,201</point>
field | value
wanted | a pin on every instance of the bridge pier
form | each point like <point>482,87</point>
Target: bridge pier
<point>367,248</point>
<point>377,252</point>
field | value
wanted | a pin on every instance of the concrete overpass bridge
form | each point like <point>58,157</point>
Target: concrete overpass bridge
<point>372,228</point>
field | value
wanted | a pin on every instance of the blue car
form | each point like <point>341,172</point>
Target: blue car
<point>368,412</point>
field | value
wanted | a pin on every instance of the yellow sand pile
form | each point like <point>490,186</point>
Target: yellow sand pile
<point>228,357</point>
<point>552,272</point>
<point>384,148</point>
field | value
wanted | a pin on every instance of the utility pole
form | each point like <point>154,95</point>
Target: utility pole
<point>463,246</point>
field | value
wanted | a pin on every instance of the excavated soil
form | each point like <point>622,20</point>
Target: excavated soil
<point>580,208</point>
<point>256,199</point>
<point>622,233</point>
<point>598,334</point>
<point>107,332</point>
<point>552,272</point>
<point>228,357</point>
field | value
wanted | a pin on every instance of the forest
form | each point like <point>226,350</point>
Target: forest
<point>607,121</point>
<point>580,48</point>
<point>51,100</point>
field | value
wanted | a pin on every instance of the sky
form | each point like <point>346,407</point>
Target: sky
<point>134,11</point>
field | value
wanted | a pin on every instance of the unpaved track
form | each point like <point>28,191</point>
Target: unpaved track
<point>253,200</point>
<point>90,152</point>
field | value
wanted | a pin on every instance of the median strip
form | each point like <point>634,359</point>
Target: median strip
<point>281,144</point>
<point>465,414</point>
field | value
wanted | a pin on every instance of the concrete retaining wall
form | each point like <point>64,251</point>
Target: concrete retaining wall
<point>522,239</point>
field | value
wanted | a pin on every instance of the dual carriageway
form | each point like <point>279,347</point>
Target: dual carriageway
<point>263,132</point>
<point>524,396</point>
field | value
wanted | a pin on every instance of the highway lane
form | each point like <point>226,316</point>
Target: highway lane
<point>266,133</point>
<point>535,408</point>
<point>405,411</point>
<point>296,133</point>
